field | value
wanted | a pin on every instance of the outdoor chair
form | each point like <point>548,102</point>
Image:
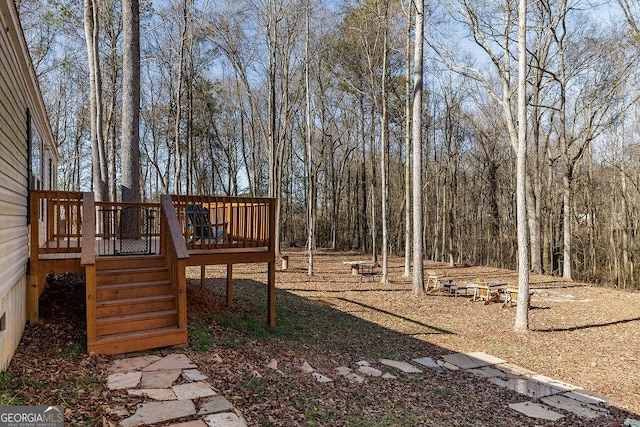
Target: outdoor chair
<point>202,227</point>
<point>511,295</point>
<point>436,283</point>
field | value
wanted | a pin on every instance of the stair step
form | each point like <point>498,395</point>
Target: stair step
<point>140,304</point>
<point>140,340</point>
<point>127,275</point>
<point>135,261</point>
<point>112,291</point>
<point>135,322</point>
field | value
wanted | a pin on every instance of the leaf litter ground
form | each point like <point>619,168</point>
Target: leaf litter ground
<point>581,334</point>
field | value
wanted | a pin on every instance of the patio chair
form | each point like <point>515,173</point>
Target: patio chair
<point>203,228</point>
<point>436,283</point>
<point>482,292</point>
<point>511,295</point>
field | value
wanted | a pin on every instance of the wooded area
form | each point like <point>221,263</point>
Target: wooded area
<point>312,102</point>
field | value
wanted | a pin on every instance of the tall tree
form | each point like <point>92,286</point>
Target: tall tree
<point>407,146</point>
<point>384,142</point>
<point>418,58</point>
<point>130,187</point>
<point>522,311</point>
<point>98,151</point>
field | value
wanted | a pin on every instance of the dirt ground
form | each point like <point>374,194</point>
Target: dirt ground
<point>580,334</point>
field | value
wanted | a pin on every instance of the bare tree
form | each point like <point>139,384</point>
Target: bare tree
<point>418,58</point>
<point>98,152</point>
<point>522,313</point>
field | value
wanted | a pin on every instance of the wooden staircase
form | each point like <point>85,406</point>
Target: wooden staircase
<point>136,305</point>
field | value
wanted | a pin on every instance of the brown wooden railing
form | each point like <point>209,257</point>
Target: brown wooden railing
<point>173,246</point>
<point>56,222</point>
<point>212,222</point>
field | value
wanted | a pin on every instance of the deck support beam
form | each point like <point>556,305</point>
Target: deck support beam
<point>229,285</point>
<point>33,298</point>
<point>203,276</point>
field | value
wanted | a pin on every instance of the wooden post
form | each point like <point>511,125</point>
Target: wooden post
<point>229,285</point>
<point>90,274</point>
<point>33,298</point>
<point>203,276</point>
<point>271,294</point>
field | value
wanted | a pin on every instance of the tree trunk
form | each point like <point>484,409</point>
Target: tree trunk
<point>418,277</point>
<point>566,226</point>
<point>310,186</point>
<point>384,161</point>
<point>407,149</point>
<point>130,190</point>
<point>98,152</point>
<point>522,311</point>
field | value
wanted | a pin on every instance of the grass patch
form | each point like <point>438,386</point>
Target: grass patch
<point>72,350</point>
<point>200,338</point>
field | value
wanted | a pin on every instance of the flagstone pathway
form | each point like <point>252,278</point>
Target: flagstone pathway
<point>176,389</point>
<point>545,396</point>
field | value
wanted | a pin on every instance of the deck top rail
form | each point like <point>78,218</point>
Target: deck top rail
<point>215,222</point>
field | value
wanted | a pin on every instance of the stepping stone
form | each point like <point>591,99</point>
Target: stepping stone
<point>193,390</point>
<point>225,419</point>
<point>196,423</point>
<point>488,372</point>
<point>273,364</point>
<point>154,393</point>
<point>536,410</point>
<point>156,412</point>
<point>123,380</point>
<point>630,422</point>
<point>306,368</point>
<point>193,375</point>
<point>172,361</point>
<point>321,378</point>
<point>132,363</point>
<point>516,371</point>
<point>526,386</point>
<point>551,382</point>
<point>215,405</point>
<point>581,409</point>
<point>354,378</point>
<point>585,397</point>
<point>159,379</point>
<point>370,371</point>
<point>343,370</point>
<point>486,358</point>
<point>363,363</point>
<point>388,376</point>
<point>471,360</point>
<point>447,365</point>
<point>402,366</point>
<point>429,363</point>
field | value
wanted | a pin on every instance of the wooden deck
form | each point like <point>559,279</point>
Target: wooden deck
<point>137,301</point>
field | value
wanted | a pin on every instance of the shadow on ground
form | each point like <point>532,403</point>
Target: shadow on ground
<point>317,332</point>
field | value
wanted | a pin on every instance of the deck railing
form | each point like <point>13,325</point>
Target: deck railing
<point>206,222</point>
<point>127,228</point>
<point>56,222</point>
<point>212,222</point>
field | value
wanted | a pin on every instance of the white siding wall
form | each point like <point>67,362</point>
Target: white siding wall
<point>18,92</point>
